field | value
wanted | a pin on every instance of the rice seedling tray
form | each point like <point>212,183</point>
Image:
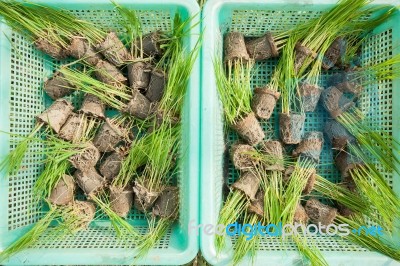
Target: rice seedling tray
<point>22,72</point>
<point>380,103</point>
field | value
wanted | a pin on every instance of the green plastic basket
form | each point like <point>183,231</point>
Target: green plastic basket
<point>254,18</point>
<point>22,71</point>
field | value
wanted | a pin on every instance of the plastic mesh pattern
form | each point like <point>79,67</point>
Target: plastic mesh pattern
<point>376,102</point>
<point>29,67</point>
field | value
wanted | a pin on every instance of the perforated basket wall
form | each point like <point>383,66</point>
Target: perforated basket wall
<point>254,18</point>
<point>22,72</point>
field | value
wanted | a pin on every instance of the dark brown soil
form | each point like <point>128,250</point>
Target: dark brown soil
<point>273,149</point>
<point>257,205</point>
<point>291,127</point>
<point>235,47</point>
<point>121,200</point>
<point>343,210</point>
<point>111,166</point>
<point>335,102</point>
<point>57,86</point>
<point>81,49</point>
<point>54,50</point>
<point>150,44</point>
<point>110,74</point>
<point>248,183</point>
<point>56,115</point>
<point>302,53</point>
<point>319,212</point>
<point>109,136</point>
<point>85,211</point>
<point>63,192</point>
<point>333,54</point>
<point>309,94</point>
<point>241,156</point>
<point>139,75</point>
<point>90,181</point>
<point>249,129</point>
<point>287,174</point>
<point>345,162</point>
<point>86,159</point>
<point>157,84</point>
<point>343,82</point>
<point>300,215</point>
<point>73,128</point>
<point>139,106</point>
<point>93,106</point>
<point>262,48</point>
<point>338,135</point>
<point>310,146</point>
<point>114,50</point>
<point>144,199</point>
<point>264,102</point>
<point>167,204</point>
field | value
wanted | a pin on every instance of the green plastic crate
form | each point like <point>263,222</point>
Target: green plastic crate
<point>254,18</point>
<point>22,71</point>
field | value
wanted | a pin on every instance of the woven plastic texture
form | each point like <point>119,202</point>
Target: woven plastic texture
<point>23,71</point>
<point>254,18</point>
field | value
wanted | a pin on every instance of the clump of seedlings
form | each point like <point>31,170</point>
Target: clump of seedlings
<point>235,78</point>
<point>116,163</point>
<point>292,188</point>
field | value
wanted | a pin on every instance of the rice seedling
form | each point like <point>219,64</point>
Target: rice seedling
<point>342,195</point>
<point>308,249</point>
<point>70,219</point>
<point>368,241</point>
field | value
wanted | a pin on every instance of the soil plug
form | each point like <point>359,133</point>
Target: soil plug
<point>311,178</point>
<point>157,84</point>
<point>93,106</point>
<point>86,159</point>
<point>110,74</point>
<point>249,129</point>
<point>257,205</point>
<point>121,200</point>
<point>90,181</point>
<point>291,127</point>
<point>310,146</point>
<point>235,47</point>
<point>150,44</point>
<point>139,106</point>
<point>63,192</point>
<point>167,204</point>
<point>111,166</point>
<point>81,49</point>
<point>85,212</point>
<point>302,53</point>
<point>248,183</point>
<point>273,149</point>
<point>264,102</point>
<point>242,156</point>
<point>139,75</point>
<point>338,135</point>
<point>333,54</point>
<point>55,50</point>
<point>300,215</point>
<point>57,86</point>
<point>73,128</point>
<point>335,102</point>
<point>319,212</point>
<point>114,50</point>
<point>262,48</point>
<point>108,136</point>
<point>56,115</point>
<point>145,198</point>
<point>346,83</point>
<point>343,209</point>
<point>309,94</point>
<point>346,162</point>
